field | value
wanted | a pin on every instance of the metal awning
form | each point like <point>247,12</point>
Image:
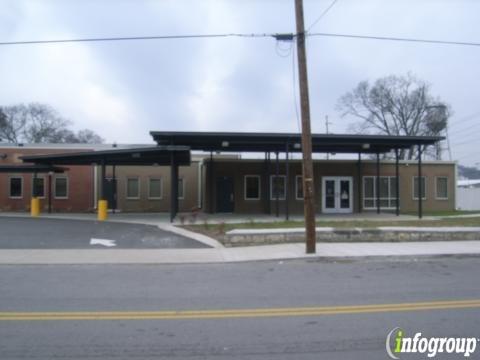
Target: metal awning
<point>170,155</point>
<point>273,142</point>
<point>156,155</point>
<point>29,168</point>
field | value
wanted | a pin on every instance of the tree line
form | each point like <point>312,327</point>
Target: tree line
<point>40,123</point>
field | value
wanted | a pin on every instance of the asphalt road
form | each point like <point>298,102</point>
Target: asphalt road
<point>35,233</point>
<point>140,296</point>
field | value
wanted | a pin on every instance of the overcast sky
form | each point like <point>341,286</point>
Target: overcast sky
<point>122,90</point>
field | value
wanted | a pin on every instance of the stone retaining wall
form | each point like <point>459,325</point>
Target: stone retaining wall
<point>388,234</point>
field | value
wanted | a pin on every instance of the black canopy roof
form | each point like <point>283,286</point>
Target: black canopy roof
<point>260,142</point>
<point>156,155</point>
<point>30,168</point>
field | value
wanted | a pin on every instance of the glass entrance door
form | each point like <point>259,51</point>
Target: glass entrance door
<point>329,194</point>
<point>337,194</point>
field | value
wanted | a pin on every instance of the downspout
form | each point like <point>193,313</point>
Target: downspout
<point>200,184</point>
<point>95,186</point>
<point>455,174</point>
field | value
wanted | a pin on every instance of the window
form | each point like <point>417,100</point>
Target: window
<point>393,191</point>
<point>387,192</point>
<point>133,188</point>
<point>369,192</point>
<point>415,188</point>
<point>441,188</point>
<point>252,187</point>
<point>155,188</point>
<point>16,187</point>
<point>61,187</point>
<point>181,189</point>
<point>38,187</point>
<point>277,187</point>
<point>299,187</point>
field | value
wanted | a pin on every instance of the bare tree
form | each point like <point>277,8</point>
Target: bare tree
<point>3,121</point>
<point>39,123</point>
<point>396,105</point>
<point>43,124</point>
<point>15,121</point>
<point>85,136</point>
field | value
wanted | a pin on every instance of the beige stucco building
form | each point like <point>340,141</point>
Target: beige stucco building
<point>340,186</point>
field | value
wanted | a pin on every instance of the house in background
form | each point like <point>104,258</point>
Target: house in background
<point>468,183</point>
<point>468,194</point>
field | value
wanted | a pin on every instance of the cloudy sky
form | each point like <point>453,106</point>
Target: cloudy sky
<point>122,90</point>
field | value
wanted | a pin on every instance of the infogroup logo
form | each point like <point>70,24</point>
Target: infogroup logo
<point>397,343</point>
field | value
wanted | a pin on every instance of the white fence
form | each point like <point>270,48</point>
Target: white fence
<point>468,198</point>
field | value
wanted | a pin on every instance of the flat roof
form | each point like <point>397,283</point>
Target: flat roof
<point>29,168</point>
<point>156,155</point>
<point>272,142</point>
<point>70,146</point>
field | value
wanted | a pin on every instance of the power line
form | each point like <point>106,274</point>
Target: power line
<point>463,120</point>
<point>283,52</point>
<point>467,156</point>
<point>467,142</point>
<point>322,15</point>
<point>465,125</point>
<point>294,91</point>
<point>133,38</point>
<point>468,129</point>
<point>388,38</point>
<point>229,35</point>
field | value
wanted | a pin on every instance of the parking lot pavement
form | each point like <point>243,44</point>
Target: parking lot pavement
<point>37,233</point>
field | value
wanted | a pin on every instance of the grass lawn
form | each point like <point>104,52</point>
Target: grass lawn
<point>445,213</point>
<point>218,230</point>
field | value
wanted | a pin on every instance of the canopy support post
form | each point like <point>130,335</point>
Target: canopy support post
<point>419,183</point>
<point>173,187</point>
<point>397,184</point>
<point>287,189</point>
<point>378,183</point>
<point>276,188</point>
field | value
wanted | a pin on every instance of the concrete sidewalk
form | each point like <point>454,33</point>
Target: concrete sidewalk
<point>218,253</point>
<point>226,255</point>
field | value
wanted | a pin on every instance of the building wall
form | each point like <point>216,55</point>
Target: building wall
<point>143,203</point>
<point>80,184</point>
<point>431,171</point>
<point>238,169</point>
<point>468,198</point>
<point>84,180</point>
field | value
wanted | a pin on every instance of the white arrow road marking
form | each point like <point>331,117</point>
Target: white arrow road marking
<point>104,242</point>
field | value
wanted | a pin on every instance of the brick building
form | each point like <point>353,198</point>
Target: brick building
<point>218,179</point>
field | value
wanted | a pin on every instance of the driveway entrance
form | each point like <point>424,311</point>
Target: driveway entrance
<point>31,233</point>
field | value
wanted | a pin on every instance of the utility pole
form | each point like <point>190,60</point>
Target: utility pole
<point>308,184</point>
<point>326,129</point>
<point>448,142</point>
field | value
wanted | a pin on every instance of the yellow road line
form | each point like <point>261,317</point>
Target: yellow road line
<point>239,313</point>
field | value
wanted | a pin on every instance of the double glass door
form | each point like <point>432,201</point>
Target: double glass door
<point>337,194</point>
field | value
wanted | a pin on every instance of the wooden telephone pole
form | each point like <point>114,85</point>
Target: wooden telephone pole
<point>308,184</point>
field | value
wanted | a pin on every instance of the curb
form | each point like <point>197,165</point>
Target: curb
<point>234,255</point>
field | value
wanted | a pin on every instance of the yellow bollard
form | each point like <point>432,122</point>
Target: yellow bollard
<point>35,207</point>
<point>102,210</point>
